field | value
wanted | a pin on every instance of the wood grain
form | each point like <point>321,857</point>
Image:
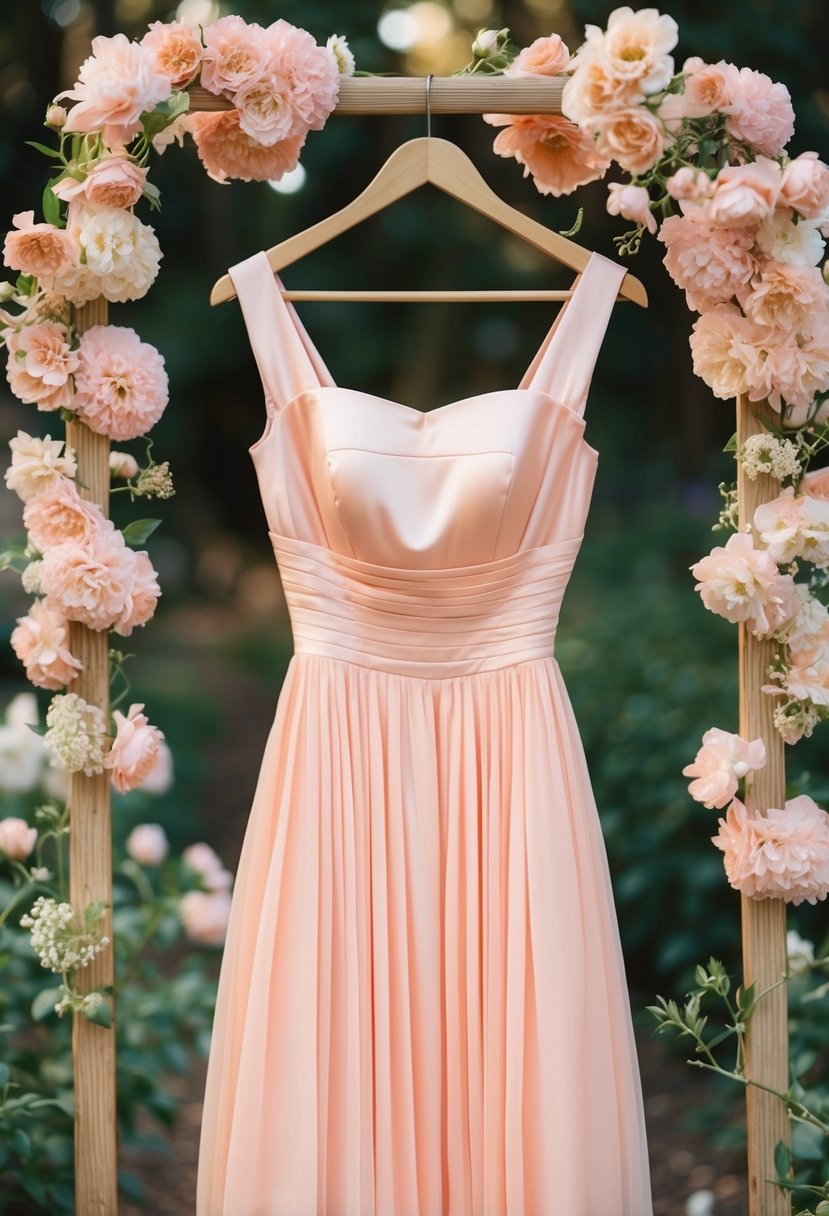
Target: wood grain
<point>763,921</point>
<point>447,95</point>
<point>90,870</point>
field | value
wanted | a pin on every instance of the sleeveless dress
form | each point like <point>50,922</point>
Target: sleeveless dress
<point>422,1006</point>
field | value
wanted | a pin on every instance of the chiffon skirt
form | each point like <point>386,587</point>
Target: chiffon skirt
<point>422,1007</point>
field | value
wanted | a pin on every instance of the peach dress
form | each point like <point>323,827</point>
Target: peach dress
<point>422,1006</point>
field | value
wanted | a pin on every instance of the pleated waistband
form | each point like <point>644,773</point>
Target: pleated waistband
<point>433,624</point>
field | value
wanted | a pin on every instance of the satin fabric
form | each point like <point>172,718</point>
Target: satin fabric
<point>422,1005</point>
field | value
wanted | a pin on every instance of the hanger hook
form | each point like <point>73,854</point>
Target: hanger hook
<point>429,80</point>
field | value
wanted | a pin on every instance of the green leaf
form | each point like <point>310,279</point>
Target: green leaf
<point>44,1003</point>
<point>32,143</point>
<point>12,559</point>
<point>745,999</point>
<point>5,1074</point>
<point>51,207</point>
<point>731,446</point>
<point>139,530</point>
<point>782,1158</point>
<point>21,1143</point>
<point>97,1009</point>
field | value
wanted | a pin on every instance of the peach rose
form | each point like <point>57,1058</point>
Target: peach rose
<point>759,111</point>
<point>816,484</point>
<point>544,57</point>
<point>311,70</point>
<point>40,363</point>
<point>41,250</point>
<point>235,53</point>
<point>226,151</point>
<point>59,515</point>
<point>266,110</point>
<point>134,749</point>
<point>783,854</point>
<point>709,87</point>
<point>807,677</point>
<point>593,90</point>
<point>632,203</point>
<point>38,464</point>
<point>805,185</point>
<point>17,839</point>
<point>91,583</point>
<point>206,915</point>
<point>725,352</point>
<point>121,387</point>
<point>720,763</point>
<point>160,777</point>
<point>791,368</point>
<point>783,296</point>
<point>741,583</point>
<point>778,523</point>
<point>744,194</point>
<point>141,605</point>
<point>176,49</point>
<point>202,858</point>
<point>631,136</point>
<point>117,83</point>
<point>690,185</point>
<point>559,155</point>
<point>114,182</point>
<point>39,641</point>
<point>147,844</point>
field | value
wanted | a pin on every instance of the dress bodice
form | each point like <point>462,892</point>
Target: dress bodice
<point>467,510</point>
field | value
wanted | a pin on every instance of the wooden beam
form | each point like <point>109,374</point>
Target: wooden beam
<point>90,870</point>
<point>447,95</point>
<point>763,921</point>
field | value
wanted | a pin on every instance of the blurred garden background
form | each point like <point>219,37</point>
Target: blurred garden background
<point>647,667</point>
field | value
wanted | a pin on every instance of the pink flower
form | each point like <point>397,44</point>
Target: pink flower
<point>744,194</point>
<point>807,676</point>
<point>311,71</point>
<point>17,839</point>
<point>691,185</point>
<point>816,484</point>
<point>134,749</point>
<point>176,49</point>
<point>38,249</point>
<point>559,155</point>
<point>160,777</point>
<point>781,855</point>
<point>759,112</point>
<point>91,583</point>
<point>206,915</point>
<point>226,151</point>
<point>778,524</point>
<point>720,763</point>
<point>593,90</point>
<point>631,202</point>
<point>141,605</point>
<point>121,387</point>
<point>116,85</point>
<point>60,515</point>
<point>709,86</point>
<point>266,109</point>
<point>636,47</point>
<point>235,53</point>
<point>632,136</point>
<point>805,185</point>
<point>147,844</point>
<point>723,346</point>
<point>742,583</point>
<point>793,367</point>
<point>123,464</point>
<point>40,363</point>
<point>39,641</point>
<point>544,57</point>
<point>114,182</point>
<point>783,296</point>
<point>201,858</point>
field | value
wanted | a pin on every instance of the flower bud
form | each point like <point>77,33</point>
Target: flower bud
<point>122,464</point>
<point>489,42</point>
<point>55,117</point>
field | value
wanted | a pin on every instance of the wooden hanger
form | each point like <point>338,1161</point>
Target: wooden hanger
<point>443,164</point>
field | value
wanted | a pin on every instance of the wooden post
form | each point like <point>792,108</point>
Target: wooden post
<point>763,921</point>
<point>90,869</point>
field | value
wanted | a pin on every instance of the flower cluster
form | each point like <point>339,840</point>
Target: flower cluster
<point>62,944</point>
<point>76,734</point>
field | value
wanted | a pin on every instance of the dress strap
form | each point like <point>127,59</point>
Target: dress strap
<point>563,367</point>
<point>287,360</point>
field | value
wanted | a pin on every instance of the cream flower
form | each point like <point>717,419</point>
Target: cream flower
<point>147,844</point>
<point>41,250</point>
<point>38,464</point>
<point>40,642</point>
<point>134,749</point>
<point>21,750</point>
<point>795,244</point>
<point>76,734</point>
<point>116,85</point>
<point>742,583</point>
<point>41,361</point>
<point>122,255</point>
<point>558,154</point>
<point>17,839</point>
<point>795,526</point>
<point>637,47</point>
<point>724,352</point>
<point>720,763</point>
<point>766,454</point>
<point>121,387</point>
<point>338,46</point>
<point>781,855</point>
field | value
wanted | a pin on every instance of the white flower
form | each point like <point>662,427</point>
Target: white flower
<point>764,453</point>
<point>76,735</point>
<point>801,953</point>
<point>174,133</point>
<point>341,51</point>
<point>30,578</point>
<point>38,464</point>
<point>21,750</point>
<point>56,936</point>
<point>122,464</point>
<point>41,873</point>
<point>122,255</point>
<point>796,720</point>
<point>700,1203</point>
<point>796,244</point>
